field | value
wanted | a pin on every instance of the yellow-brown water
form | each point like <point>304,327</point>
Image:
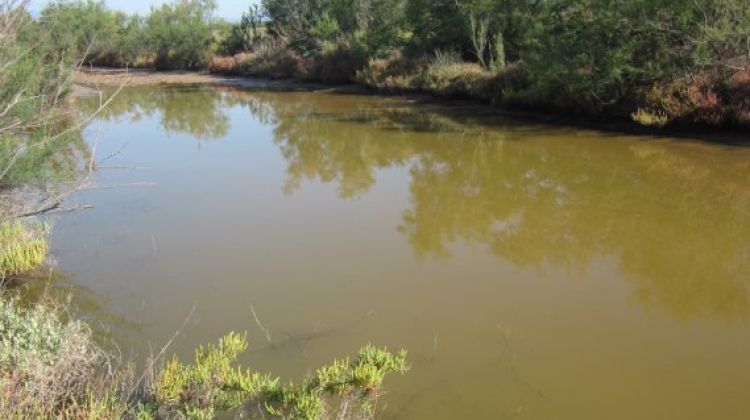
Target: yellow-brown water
<point>532,271</point>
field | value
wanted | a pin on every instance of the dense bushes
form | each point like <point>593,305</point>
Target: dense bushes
<point>34,76</point>
<point>660,61</point>
<point>176,35</point>
<point>93,33</point>
<point>180,34</point>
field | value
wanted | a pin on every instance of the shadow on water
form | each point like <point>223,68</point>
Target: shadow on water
<point>672,214</point>
<point>470,111</point>
<point>53,285</point>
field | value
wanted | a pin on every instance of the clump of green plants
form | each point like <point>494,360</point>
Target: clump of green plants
<point>23,247</point>
<point>210,383</point>
<point>342,389</point>
<point>346,388</point>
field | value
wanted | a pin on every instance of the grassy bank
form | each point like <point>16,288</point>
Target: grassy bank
<point>50,367</point>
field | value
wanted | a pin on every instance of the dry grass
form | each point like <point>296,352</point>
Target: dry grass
<point>394,73</point>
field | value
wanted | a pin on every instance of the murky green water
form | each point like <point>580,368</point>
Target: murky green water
<point>532,271</point>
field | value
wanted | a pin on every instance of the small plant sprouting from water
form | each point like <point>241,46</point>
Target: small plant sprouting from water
<point>23,247</point>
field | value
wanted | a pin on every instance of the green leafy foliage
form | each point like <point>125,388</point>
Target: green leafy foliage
<point>29,337</point>
<point>243,36</point>
<point>312,26</point>
<point>180,33</point>
<point>211,383</point>
<point>92,32</point>
<point>34,76</point>
<point>595,56</point>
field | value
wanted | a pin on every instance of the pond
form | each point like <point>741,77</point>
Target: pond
<point>531,270</point>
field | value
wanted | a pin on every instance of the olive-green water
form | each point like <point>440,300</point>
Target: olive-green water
<point>532,271</point>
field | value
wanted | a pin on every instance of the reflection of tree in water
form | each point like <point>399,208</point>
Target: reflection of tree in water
<point>674,215</point>
<point>198,111</point>
<point>682,240</point>
<point>55,159</point>
<point>325,138</point>
<point>51,165</point>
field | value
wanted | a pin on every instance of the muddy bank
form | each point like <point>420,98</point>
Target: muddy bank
<point>104,77</point>
<point>89,80</point>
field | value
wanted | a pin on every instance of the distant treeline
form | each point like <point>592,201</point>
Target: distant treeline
<point>656,61</point>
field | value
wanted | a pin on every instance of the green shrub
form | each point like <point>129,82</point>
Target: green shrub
<point>210,383</point>
<point>34,77</point>
<point>180,33</point>
<point>242,36</point>
<point>48,365</point>
<point>36,336</point>
<point>94,33</point>
<point>337,64</point>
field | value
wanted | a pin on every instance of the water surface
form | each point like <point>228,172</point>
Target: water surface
<point>532,271</point>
